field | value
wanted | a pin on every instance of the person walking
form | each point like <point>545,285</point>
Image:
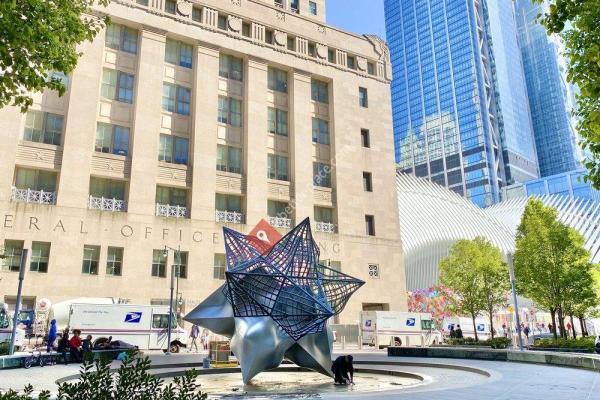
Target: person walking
<point>194,336</point>
<point>526,331</point>
<point>51,336</point>
<point>86,346</point>
<point>204,339</point>
<point>452,332</point>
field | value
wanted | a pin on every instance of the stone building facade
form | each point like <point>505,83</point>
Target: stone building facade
<point>185,116</point>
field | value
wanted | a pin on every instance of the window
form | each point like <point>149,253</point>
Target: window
<point>295,5</point>
<point>269,36</point>
<point>161,321</point>
<point>180,264</point>
<point>222,22</point>
<point>278,209</point>
<point>176,99</point>
<point>142,2</point>
<point>171,196</point>
<point>40,252</point>
<point>117,85</point>
<point>35,179</point>
<point>324,214</point>
<point>246,29</point>
<point>370,225</point>
<point>230,203</point>
<point>320,91</point>
<point>114,261</point>
<point>220,265</point>
<point>229,159</point>
<point>291,43</point>
<point>112,139</point>
<point>173,149</point>
<point>230,111</point>
<point>312,49</point>
<point>107,188</point>
<point>331,56</point>
<point>320,131</point>
<point>121,38</point>
<point>43,127</point>
<point>178,53</point>
<point>278,80</point>
<point>278,121</point>
<point>363,97</point>
<point>312,7</point>
<point>12,255</point>
<point>197,14</point>
<point>365,138</point>
<point>370,68</point>
<point>159,265</point>
<point>171,6</point>
<point>351,62</point>
<point>231,67</point>
<point>367,182</point>
<point>277,167</point>
<point>322,174</point>
<point>91,255</point>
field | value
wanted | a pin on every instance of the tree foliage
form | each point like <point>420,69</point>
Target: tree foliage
<point>476,273</point>
<point>552,266</point>
<point>37,38</point>
<point>577,22</point>
<point>132,381</point>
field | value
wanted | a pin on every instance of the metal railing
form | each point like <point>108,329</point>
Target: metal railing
<point>104,204</point>
<point>229,217</point>
<point>33,196</point>
<point>166,210</point>
<point>280,222</point>
<point>327,227</point>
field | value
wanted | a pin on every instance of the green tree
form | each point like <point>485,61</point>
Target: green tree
<point>577,22</point>
<point>38,37</point>
<point>552,266</point>
<point>475,272</point>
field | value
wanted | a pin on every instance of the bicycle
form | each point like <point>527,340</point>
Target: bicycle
<point>36,358</point>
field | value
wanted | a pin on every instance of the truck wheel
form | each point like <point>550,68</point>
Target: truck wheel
<point>27,362</point>
<point>174,348</point>
<point>397,342</point>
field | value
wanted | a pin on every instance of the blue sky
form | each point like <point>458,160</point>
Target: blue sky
<point>358,16</point>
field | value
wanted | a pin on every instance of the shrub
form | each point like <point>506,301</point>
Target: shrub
<point>3,348</point>
<point>496,343</point>
<point>584,343</point>
<point>131,381</point>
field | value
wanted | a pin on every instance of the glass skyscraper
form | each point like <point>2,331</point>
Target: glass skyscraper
<point>447,98</point>
<point>549,98</point>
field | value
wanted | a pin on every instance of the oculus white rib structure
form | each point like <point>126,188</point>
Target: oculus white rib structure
<point>433,218</point>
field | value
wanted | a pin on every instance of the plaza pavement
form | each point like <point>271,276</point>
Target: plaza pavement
<point>507,380</point>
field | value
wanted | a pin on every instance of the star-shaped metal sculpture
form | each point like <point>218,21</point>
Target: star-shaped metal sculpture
<point>276,302</point>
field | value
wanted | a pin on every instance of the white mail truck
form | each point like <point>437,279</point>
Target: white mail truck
<point>391,328</point>
<point>139,325</point>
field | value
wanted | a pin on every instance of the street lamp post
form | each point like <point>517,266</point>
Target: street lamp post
<point>13,336</point>
<point>170,319</point>
<point>511,269</point>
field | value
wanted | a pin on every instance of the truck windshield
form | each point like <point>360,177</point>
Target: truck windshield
<point>161,321</point>
<point>4,321</point>
<point>427,324</point>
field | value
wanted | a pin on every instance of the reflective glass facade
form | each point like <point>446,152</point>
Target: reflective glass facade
<point>445,124</point>
<point>514,119</point>
<point>548,96</point>
<point>571,184</point>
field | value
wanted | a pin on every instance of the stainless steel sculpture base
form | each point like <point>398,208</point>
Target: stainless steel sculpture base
<point>258,342</point>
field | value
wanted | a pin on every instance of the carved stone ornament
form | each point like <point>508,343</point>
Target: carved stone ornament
<point>235,23</point>
<point>361,63</point>
<point>236,2</point>
<point>184,7</point>
<point>280,38</point>
<point>280,15</point>
<point>322,51</point>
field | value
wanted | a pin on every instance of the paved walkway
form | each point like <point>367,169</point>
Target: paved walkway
<point>507,381</point>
